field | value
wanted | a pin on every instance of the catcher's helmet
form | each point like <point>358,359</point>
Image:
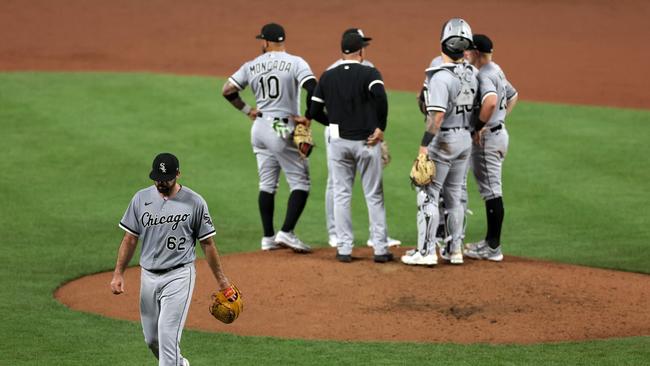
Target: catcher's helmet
<point>456,37</point>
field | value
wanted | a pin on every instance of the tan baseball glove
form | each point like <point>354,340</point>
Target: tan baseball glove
<point>227,304</point>
<point>423,170</point>
<point>385,154</point>
<point>303,140</point>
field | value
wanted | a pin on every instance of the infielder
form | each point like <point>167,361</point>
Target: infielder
<point>490,145</point>
<point>451,90</point>
<point>276,78</point>
<point>168,218</point>
<point>329,191</point>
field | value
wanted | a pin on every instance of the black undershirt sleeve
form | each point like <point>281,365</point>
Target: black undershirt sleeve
<point>317,109</point>
<point>309,86</point>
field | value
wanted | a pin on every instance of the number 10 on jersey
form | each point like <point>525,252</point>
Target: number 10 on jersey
<point>270,87</point>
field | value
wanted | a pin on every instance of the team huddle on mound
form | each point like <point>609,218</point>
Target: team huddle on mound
<point>465,99</point>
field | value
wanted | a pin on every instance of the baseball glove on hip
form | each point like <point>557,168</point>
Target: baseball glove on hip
<point>423,170</point>
<point>385,154</point>
<point>227,304</point>
<point>303,140</point>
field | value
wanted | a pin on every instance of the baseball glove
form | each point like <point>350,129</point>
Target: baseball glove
<point>227,304</point>
<point>303,140</point>
<point>385,154</point>
<point>423,170</point>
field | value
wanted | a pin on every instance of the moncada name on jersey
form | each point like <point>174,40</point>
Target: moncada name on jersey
<point>149,220</point>
<point>264,67</point>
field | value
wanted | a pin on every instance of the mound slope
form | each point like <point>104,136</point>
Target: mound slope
<point>314,297</point>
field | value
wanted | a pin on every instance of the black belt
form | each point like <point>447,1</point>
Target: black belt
<point>496,128</point>
<point>285,120</point>
<point>163,271</point>
<point>445,129</point>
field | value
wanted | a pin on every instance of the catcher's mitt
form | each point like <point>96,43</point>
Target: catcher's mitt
<point>423,170</point>
<point>303,140</point>
<point>385,154</point>
<point>227,304</point>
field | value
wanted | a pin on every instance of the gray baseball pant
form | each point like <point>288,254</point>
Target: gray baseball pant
<point>164,304</point>
<point>450,150</point>
<point>487,163</point>
<point>349,157</point>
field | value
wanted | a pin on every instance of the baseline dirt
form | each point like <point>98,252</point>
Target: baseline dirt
<point>587,52</point>
<point>315,297</point>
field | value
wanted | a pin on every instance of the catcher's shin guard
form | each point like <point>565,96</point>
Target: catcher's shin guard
<point>427,220</point>
<point>455,219</point>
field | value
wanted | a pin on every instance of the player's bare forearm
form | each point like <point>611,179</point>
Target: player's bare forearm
<point>488,106</point>
<point>511,104</point>
<point>212,257</point>
<point>125,253</point>
<point>434,121</point>
<point>231,93</point>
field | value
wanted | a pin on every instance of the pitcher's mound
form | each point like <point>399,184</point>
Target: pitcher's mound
<point>315,297</point>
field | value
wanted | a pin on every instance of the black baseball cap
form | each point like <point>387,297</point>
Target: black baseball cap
<point>164,167</point>
<point>272,32</point>
<point>359,32</point>
<point>482,43</point>
<point>352,42</point>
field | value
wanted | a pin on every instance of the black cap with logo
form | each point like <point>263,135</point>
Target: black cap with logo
<point>352,42</point>
<point>272,32</point>
<point>359,32</point>
<point>482,43</point>
<point>164,168</point>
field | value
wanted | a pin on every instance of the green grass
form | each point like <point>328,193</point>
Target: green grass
<point>75,147</point>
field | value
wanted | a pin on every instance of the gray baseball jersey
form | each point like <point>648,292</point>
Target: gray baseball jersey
<point>492,81</point>
<point>275,78</point>
<point>169,228</point>
<point>452,89</point>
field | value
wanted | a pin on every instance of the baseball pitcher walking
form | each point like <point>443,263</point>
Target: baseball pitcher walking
<point>168,218</point>
<point>276,78</point>
<point>490,145</point>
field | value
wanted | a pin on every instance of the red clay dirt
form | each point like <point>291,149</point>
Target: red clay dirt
<point>315,297</point>
<point>586,52</point>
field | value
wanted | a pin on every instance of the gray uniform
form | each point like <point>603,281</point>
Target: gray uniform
<point>452,90</point>
<point>329,190</point>
<point>276,78</point>
<point>168,230</point>
<point>487,160</point>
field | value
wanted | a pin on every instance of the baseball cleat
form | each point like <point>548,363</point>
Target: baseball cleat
<point>345,258</point>
<point>268,243</point>
<point>415,258</point>
<point>485,252</point>
<point>186,362</point>
<point>333,241</point>
<point>290,240</point>
<point>474,246</point>
<point>390,241</point>
<point>456,257</point>
<point>383,258</point>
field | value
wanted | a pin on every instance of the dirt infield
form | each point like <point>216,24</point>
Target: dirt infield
<point>316,297</point>
<point>589,52</point>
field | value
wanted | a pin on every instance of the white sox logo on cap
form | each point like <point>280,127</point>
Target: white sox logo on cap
<point>162,168</point>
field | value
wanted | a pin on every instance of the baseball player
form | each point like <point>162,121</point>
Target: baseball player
<point>276,78</point>
<point>168,218</point>
<point>357,107</point>
<point>490,145</point>
<point>451,90</point>
<point>329,191</point>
